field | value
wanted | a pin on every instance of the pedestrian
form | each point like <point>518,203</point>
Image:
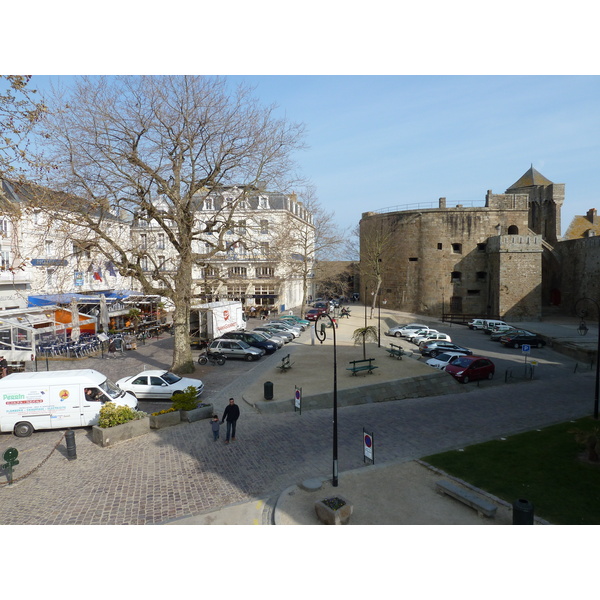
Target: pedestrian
<point>3,367</point>
<point>214,424</point>
<point>112,349</point>
<point>231,414</point>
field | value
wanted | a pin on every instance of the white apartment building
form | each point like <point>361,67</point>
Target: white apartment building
<point>262,261</point>
<point>262,258</point>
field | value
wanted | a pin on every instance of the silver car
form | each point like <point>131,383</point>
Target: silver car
<point>286,336</point>
<point>235,349</point>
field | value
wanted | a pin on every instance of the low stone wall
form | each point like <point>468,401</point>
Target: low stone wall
<point>112,435</point>
<point>432,384</point>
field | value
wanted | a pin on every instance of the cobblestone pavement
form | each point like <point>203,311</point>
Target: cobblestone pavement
<point>180,471</point>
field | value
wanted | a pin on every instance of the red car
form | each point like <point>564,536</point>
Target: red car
<point>313,313</point>
<point>471,368</point>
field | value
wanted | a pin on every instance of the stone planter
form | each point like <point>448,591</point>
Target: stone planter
<point>202,412</point>
<point>107,436</point>
<point>166,420</point>
<point>335,510</point>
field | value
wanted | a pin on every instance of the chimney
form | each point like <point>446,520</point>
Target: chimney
<point>591,215</point>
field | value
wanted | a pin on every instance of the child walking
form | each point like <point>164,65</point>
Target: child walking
<point>215,424</point>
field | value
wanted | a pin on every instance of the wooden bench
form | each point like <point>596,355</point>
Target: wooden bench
<point>285,364</point>
<point>483,507</point>
<point>395,351</point>
<point>361,365</point>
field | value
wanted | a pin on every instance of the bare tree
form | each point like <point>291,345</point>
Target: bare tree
<point>149,150</point>
<point>376,244</point>
<point>19,113</point>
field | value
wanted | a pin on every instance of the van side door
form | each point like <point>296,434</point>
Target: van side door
<point>65,405</point>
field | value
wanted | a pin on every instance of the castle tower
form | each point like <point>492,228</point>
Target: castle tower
<point>545,203</point>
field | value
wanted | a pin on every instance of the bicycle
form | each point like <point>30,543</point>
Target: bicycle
<point>215,358</point>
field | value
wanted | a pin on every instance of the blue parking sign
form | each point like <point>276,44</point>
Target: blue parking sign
<point>526,348</point>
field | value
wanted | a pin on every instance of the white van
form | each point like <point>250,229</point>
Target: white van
<point>476,324</point>
<point>489,325</point>
<point>56,400</point>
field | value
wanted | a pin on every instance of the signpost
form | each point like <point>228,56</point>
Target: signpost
<point>526,350</point>
<point>298,399</point>
<point>368,450</point>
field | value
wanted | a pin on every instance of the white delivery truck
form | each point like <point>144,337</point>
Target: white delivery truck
<point>213,319</point>
<point>56,400</point>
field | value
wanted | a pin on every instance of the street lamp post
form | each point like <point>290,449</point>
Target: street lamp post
<point>321,334</point>
<point>582,330</point>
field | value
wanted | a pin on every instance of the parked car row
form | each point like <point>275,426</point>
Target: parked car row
<point>508,335</point>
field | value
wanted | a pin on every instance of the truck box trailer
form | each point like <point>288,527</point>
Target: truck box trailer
<point>213,319</point>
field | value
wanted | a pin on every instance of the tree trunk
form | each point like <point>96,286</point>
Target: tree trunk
<point>182,293</point>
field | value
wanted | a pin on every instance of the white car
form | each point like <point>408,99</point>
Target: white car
<point>441,360</point>
<point>430,337</point>
<point>403,330</point>
<point>158,384</point>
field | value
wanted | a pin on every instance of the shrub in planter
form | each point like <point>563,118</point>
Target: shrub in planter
<point>112,415</point>
<point>186,400</point>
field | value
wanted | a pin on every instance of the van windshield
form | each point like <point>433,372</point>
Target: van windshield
<point>110,389</point>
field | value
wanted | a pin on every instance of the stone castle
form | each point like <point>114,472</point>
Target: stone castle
<point>504,258</point>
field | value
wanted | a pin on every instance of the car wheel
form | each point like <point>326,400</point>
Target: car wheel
<point>23,429</point>
<point>490,376</point>
<point>517,345</point>
<point>398,334</point>
<point>249,357</point>
<point>434,353</point>
<point>466,380</point>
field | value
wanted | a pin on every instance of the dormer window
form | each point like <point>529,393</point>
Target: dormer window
<point>263,202</point>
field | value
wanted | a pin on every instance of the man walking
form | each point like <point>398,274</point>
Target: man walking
<point>231,414</point>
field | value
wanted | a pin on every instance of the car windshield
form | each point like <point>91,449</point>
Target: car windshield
<point>170,377</point>
<point>462,362</point>
<point>110,389</point>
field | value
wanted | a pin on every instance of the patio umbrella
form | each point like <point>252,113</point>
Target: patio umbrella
<point>75,331</point>
<point>103,312</point>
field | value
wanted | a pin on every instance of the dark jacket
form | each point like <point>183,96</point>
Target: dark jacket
<point>232,413</point>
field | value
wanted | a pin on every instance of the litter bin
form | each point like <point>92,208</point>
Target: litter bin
<point>522,512</point>
<point>268,390</point>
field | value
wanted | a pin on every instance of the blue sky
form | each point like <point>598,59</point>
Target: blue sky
<point>382,141</point>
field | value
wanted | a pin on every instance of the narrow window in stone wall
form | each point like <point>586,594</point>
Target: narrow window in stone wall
<point>473,292</point>
<point>455,277</point>
<point>513,230</point>
<point>413,259</point>
<point>457,248</point>
<point>440,246</point>
<point>481,247</point>
<point>481,275</point>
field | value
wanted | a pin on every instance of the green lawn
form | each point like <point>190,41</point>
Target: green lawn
<point>544,467</point>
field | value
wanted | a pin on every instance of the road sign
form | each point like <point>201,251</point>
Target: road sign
<point>526,349</point>
<point>368,445</point>
<point>298,399</point>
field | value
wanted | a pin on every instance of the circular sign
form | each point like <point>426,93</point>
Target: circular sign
<point>368,440</point>
<point>64,394</point>
<point>11,454</point>
<point>297,394</point>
